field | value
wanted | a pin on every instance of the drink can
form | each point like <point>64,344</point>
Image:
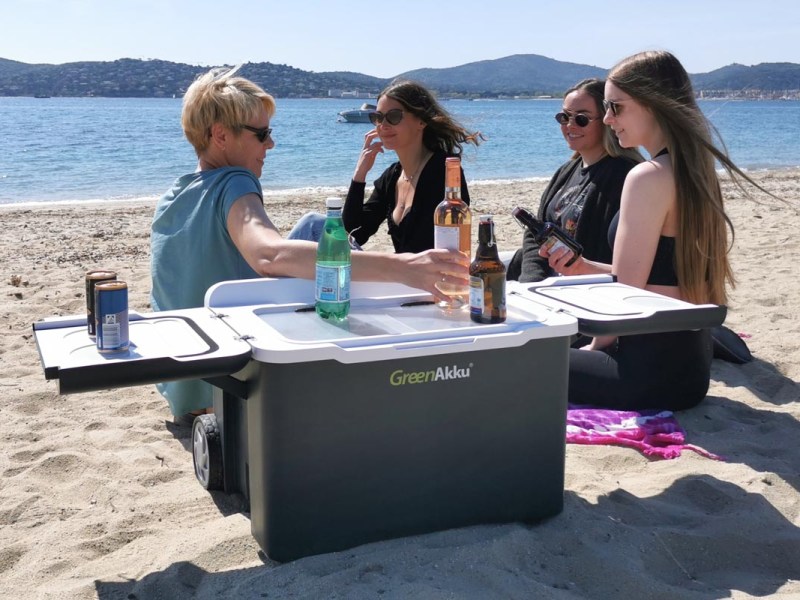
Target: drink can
<point>111,309</point>
<point>92,279</point>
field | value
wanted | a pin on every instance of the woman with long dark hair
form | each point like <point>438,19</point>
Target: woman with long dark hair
<point>670,236</point>
<point>583,195</point>
<point>411,122</point>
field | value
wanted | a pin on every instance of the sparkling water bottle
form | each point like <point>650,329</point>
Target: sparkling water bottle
<point>332,291</point>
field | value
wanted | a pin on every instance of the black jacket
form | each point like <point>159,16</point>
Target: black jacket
<point>415,231</point>
<point>603,189</point>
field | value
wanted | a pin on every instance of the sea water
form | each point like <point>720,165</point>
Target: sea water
<point>67,149</point>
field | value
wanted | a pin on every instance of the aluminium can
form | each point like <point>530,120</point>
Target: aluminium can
<point>111,310</point>
<point>92,279</point>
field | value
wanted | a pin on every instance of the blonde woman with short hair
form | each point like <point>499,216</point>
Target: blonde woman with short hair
<point>211,225</point>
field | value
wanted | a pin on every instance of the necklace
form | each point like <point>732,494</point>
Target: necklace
<point>404,202</point>
<point>411,178</point>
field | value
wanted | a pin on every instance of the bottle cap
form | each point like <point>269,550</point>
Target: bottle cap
<point>333,202</point>
<point>486,218</point>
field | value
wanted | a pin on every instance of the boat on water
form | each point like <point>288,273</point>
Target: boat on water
<point>358,115</point>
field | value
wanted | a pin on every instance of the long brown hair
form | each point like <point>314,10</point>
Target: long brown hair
<point>442,132</point>
<point>658,81</point>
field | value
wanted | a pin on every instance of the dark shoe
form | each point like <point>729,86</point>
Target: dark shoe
<point>188,418</point>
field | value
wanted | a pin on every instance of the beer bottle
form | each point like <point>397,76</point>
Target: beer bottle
<point>452,222</point>
<point>332,290</point>
<point>487,281</point>
<point>547,234</point>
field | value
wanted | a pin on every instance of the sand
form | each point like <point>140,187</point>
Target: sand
<point>98,498</point>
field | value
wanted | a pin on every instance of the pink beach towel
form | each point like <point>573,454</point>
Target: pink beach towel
<point>654,433</point>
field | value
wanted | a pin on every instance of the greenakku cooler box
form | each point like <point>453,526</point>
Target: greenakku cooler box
<point>401,420</point>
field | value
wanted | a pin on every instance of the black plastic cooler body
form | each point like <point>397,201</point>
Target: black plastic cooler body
<point>338,456</point>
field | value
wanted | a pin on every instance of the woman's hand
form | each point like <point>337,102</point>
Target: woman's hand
<point>600,342</point>
<point>428,268</point>
<point>558,259</point>
<point>372,147</point>
<point>561,255</point>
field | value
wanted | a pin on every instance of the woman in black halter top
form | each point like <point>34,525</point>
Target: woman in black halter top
<point>670,236</point>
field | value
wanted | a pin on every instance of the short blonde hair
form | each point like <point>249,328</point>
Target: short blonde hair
<point>219,96</point>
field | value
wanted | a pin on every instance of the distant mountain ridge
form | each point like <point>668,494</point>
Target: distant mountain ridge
<point>516,75</point>
<point>519,74</point>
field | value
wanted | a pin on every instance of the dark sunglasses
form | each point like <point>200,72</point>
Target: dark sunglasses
<point>262,133</point>
<point>580,119</point>
<point>613,106</point>
<point>393,117</point>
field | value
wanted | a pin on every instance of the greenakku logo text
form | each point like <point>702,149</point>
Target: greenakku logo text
<point>401,377</point>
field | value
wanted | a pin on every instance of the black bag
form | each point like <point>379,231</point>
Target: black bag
<point>729,346</point>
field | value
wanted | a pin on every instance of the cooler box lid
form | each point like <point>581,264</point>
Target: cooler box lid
<point>604,306</point>
<point>386,321</point>
<point>165,346</point>
<point>273,320</point>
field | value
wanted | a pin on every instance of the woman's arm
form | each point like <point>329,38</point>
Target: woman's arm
<point>648,197</point>
<point>270,255</point>
<point>534,265</point>
<point>262,246</point>
<point>361,219</point>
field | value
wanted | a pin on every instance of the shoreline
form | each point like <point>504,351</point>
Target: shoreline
<point>323,191</point>
<point>98,497</point>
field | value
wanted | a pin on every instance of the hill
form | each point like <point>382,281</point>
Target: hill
<point>520,74</point>
<point>132,78</point>
<point>765,77</point>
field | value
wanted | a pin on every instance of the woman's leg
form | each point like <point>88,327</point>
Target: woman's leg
<point>309,227</point>
<point>656,371</point>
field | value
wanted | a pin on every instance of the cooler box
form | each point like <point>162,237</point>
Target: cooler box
<point>400,420</point>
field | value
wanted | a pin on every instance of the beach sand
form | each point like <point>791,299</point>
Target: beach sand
<point>98,498</point>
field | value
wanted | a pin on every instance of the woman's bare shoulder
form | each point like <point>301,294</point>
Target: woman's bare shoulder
<point>653,178</point>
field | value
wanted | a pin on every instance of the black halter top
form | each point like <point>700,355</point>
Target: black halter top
<point>663,270</point>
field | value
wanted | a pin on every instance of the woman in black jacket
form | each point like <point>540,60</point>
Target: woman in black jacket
<point>584,193</point>
<point>414,125</point>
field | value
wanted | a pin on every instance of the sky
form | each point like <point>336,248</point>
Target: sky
<point>385,39</point>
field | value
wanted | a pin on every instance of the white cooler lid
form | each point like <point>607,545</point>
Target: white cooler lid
<point>386,321</point>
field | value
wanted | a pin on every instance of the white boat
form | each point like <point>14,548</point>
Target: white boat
<point>359,115</point>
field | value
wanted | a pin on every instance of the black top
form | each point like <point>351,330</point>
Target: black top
<point>663,270</point>
<point>583,201</point>
<point>414,233</point>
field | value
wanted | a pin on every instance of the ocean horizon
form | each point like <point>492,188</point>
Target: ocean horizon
<point>99,149</point>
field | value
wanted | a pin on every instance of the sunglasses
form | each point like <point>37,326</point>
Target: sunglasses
<point>393,117</point>
<point>579,119</point>
<point>262,133</point>
<point>613,106</point>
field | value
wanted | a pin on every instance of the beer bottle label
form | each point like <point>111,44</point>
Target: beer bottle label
<point>476,295</point>
<point>553,243</point>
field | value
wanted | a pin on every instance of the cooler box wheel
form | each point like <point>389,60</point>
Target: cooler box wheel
<point>207,452</point>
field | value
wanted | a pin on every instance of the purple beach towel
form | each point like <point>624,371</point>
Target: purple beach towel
<point>654,433</point>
